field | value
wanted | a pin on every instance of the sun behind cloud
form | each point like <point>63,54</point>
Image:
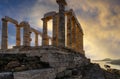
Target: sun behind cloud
<point>99,20</point>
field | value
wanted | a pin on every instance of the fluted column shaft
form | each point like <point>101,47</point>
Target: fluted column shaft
<point>79,41</point>
<point>18,40</point>
<point>61,27</point>
<point>45,40</point>
<point>73,34</point>
<point>55,31</point>
<point>4,41</point>
<point>69,31</point>
<point>26,32</point>
<point>36,39</point>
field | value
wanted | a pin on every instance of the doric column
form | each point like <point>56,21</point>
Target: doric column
<point>79,40</point>
<point>26,33</point>
<point>55,30</point>
<point>4,41</point>
<point>73,34</point>
<point>18,40</point>
<point>69,30</point>
<point>61,26</point>
<point>36,39</point>
<point>45,40</point>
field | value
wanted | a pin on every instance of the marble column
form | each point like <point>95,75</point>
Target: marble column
<point>69,30</point>
<point>45,40</point>
<point>18,39</point>
<point>26,34</point>
<point>61,26</point>
<point>36,39</point>
<point>79,41</point>
<point>4,41</point>
<point>73,34</point>
<point>55,30</point>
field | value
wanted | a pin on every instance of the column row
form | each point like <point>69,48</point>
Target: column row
<point>74,34</point>
<point>26,34</point>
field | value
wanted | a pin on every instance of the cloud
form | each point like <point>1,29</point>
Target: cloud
<point>99,20</point>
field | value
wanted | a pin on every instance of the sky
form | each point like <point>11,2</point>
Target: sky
<point>98,18</point>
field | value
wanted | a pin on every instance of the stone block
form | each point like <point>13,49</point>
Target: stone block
<point>6,75</point>
<point>36,74</point>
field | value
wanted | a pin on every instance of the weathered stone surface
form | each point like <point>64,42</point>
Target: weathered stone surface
<point>20,68</point>
<point>66,64</point>
<point>36,74</point>
<point>13,64</point>
<point>6,75</point>
<point>18,62</point>
<point>64,73</point>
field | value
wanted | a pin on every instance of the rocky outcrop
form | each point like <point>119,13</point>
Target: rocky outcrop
<point>91,71</point>
<point>20,62</point>
<point>50,62</point>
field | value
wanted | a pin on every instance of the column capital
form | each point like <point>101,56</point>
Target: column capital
<point>17,25</point>
<point>44,19</point>
<point>3,19</point>
<point>61,2</point>
<point>36,33</point>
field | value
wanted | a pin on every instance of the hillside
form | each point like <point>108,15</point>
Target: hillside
<point>50,62</point>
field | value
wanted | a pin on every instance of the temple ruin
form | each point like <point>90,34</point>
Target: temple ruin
<point>72,37</point>
<point>63,59</point>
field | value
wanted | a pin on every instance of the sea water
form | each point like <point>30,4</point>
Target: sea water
<point>102,63</point>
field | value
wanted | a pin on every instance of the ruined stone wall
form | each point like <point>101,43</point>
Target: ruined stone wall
<point>59,59</point>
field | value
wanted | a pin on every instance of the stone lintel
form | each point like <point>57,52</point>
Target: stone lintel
<point>74,18</point>
<point>49,15</point>
<point>11,20</point>
<point>34,30</point>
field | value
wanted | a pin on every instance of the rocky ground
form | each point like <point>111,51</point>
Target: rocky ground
<point>16,63</point>
<point>51,63</point>
<point>20,62</point>
<point>91,71</point>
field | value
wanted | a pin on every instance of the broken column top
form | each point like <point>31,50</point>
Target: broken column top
<point>61,1</point>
